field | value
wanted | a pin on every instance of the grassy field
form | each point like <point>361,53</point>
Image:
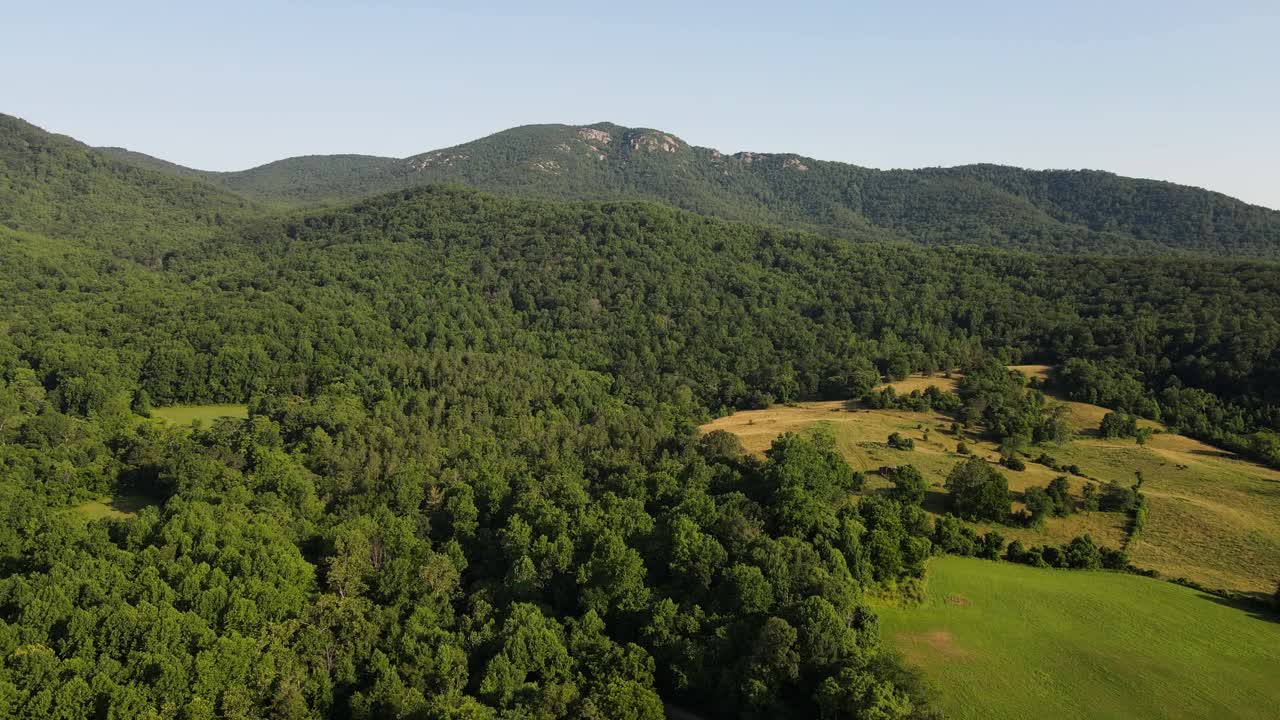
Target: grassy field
<point>186,414</point>
<point>1214,518</point>
<point>1000,640</point>
<point>120,506</point>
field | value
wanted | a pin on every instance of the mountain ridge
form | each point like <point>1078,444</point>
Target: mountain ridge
<point>56,186</point>
<point>741,155</point>
<point>1054,211</point>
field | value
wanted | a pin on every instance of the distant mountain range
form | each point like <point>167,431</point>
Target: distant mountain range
<point>1042,211</point>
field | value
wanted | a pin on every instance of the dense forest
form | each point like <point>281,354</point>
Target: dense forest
<point>1050,211</point>
<point>470,483</point>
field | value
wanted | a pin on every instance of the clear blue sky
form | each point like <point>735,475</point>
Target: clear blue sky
<point>1175,90</point>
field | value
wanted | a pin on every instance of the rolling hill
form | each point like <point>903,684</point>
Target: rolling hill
<point>1214,519</point>
<point>1047,211</point>
<point>58,187</point>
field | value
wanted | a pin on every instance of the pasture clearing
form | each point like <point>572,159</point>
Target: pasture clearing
<point>1214,517</point>
<point>204,414</point>
<point>117,507</point>
<point>1000,640</point>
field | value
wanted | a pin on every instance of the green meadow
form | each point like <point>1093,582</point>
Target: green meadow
<point>205,414</point>
<point>113,507</point>
<point>1000,640</point>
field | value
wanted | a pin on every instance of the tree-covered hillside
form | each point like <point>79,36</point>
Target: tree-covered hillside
<point>54,185</point>
<point>1043,211</point>
<point>469,484</point>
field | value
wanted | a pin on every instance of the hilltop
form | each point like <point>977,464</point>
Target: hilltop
<point>56,186</point>
<point>1061,211</point>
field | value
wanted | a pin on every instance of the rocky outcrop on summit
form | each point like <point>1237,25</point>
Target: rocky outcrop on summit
<point>653,141</point>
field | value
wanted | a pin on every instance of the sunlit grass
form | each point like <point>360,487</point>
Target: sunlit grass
<point>1000,640</point>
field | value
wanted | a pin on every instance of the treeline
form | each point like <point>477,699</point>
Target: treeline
<point>1243,418</point>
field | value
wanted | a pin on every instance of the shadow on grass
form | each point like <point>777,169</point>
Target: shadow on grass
<point>1217,454</point>
<point>130,503</point>
<point>1257,605</point>
<point>935,501</point>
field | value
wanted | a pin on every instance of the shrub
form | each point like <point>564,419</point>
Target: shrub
<point>1053,556</point>
<point>1139,514</point>
<point>898,442</point>
<point>1035,558</point>
<point>1039,505</point>
<point>1013,462</point>
<point>1059,490</point>
<point>1117,498</point>
<point>1113,559</point>
<point>1082,554</point>
<point>1118,425</point>
<point>990,545</point>
<point>1016,552</point>
<point>1090,500</point>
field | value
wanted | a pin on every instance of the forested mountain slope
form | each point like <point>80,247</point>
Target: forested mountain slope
<point>57,186</point>
<point>470,484</point>
<point>1047,211</point>
<point>674,306</point>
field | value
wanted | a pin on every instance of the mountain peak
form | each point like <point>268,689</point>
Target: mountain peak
<point>653,141</point>
<point>1053,211</point>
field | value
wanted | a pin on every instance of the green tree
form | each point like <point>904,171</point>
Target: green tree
<point>1118,425</point>
<point>978,491</point>
<point>909,485</point>
<point>1081,553</point>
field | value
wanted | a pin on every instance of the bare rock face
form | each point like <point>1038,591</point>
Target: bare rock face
<point>592,135</point>
<point>547,166</point>
<point>431,159</point>
<point>794,164</point>
<point>652,142</point>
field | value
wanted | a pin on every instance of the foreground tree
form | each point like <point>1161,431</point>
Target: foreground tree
<point>909,485</point>
<point>978,491</point>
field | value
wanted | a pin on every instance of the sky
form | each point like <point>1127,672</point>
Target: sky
<point>1173,90</point>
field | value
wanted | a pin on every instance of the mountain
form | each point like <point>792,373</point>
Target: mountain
<point>55,186</point>
<point>1046,211</point>
<point>467,480</point>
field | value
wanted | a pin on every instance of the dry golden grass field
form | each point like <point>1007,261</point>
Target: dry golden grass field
<point>1214,518</point>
